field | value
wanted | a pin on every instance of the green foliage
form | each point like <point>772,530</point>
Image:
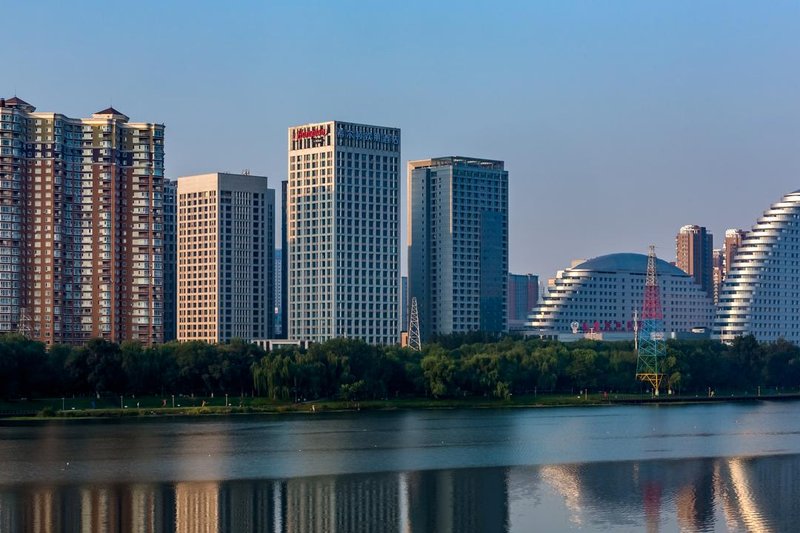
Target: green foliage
<point>458,366</point>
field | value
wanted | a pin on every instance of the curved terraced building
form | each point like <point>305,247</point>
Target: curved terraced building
<point>761,292</point>
<point>601,295</point>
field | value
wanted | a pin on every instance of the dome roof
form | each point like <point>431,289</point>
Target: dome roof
<point>628,263</point>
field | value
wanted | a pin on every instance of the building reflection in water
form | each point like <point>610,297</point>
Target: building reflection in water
<point>756,494</point>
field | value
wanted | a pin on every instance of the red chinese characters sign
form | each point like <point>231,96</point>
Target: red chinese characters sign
<point>310,133</point>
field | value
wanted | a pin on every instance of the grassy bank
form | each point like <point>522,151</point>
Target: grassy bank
<point>58,408</point>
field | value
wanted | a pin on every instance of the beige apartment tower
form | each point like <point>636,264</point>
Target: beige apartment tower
<point>226,253</point>
<point>81,225</point>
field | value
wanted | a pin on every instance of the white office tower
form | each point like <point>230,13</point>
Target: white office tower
<point>343,232</point>
<point>761,291</point>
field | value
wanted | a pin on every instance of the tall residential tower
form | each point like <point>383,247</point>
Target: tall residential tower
<point>342,249</point>
<point>523,295</point>
<point>458,244</point>
<point>170,260</point>
<point>81,248</point>
<point>694,247</point>
<point>226,243</point>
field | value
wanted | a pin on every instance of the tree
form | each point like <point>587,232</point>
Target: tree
<point>438,368</point>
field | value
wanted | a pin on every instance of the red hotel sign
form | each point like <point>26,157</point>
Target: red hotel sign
<point>310,133</point>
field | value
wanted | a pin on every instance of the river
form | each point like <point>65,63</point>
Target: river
<point>720,467</point>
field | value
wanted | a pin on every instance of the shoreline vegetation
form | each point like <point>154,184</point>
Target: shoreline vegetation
<point>49,409</point>
<point>476,370</point>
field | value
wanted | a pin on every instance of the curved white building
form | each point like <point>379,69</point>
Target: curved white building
<point>603,293</point>
<point>761,292</point>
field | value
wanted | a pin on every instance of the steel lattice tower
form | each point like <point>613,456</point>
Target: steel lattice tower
<point>413,327</point>
<point>652,347</point>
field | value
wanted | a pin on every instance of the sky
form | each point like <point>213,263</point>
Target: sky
<point>619,122</point>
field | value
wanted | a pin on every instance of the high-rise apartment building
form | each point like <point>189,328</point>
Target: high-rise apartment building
<point>404,309</point>
<point>458,244</point>
<point>343,232</point>
<point>278,296</point>
<point>284,263</point>
<point>523,295</point>
<point>170,260</point>
<point>718,269</point>
<point>733,240</point>
<point>694,251</point>
<point>81,243</point>
<point>226,243</point>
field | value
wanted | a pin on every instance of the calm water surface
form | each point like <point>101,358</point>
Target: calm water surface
<point>717,467</point>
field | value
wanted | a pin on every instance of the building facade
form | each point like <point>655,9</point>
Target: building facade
<point>602,295</point>
<point>284,263</point>
<point>342,225</point>
<point>733,240</point>
<point>718,272</point>
<point>458,244</point>
<point>694,247</point>
<point>226,243</point>
<point>170,260</point>
<point>81,244</point>
<point>761,292</point>
<point>278,296</point>
<point>405,310</point>
<point>523,296</point>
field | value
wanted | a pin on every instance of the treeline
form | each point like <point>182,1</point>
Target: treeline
<point>453,366</point>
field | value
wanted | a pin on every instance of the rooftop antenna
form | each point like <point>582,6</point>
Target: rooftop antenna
<point>413,327</point>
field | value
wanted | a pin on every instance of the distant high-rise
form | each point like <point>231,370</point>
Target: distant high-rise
<point>278,296</point>
<point>523,295</point>
<point>458,244</point>
<point>81,247</point>
<point>170,260</point>
<point>733,240</point>
<point>226,244</point>
<point>404,310</point>
<point>694,252</point>
<point>284,263</point>
<point>343,232</point>
<point>718,265</point>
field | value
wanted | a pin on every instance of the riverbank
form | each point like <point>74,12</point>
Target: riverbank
<point>82,408</point>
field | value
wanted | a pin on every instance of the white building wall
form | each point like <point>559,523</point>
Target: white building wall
<point>761,291</point>
<point>343,232</point>
<point>605,300</point>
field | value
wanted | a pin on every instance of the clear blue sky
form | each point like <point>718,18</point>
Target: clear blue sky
<point>618,121</point>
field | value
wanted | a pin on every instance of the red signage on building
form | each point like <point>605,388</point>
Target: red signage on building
<point>310,133</point>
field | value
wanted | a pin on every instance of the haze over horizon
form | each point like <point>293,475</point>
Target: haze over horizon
<point>619,123</point>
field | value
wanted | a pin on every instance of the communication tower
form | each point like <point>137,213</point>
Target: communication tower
<point>413,327</point>
<point>651,345</point>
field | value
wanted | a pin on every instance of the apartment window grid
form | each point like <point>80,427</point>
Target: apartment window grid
<point>66,238</point>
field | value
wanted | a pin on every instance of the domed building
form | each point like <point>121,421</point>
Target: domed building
<point>602,294</point>
<point>761,291</point>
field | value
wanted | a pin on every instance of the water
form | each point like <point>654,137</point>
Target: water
<point>716,467</point>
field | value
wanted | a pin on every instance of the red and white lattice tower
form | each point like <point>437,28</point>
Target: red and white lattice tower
<point>651,345</point>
